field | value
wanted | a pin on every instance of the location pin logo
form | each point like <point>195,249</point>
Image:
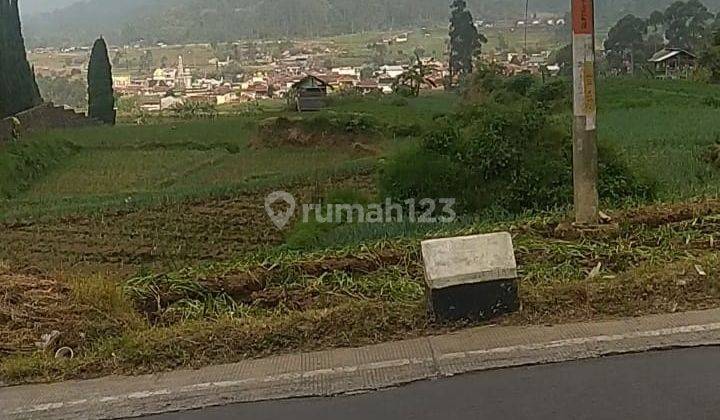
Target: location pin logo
<point>280,218</point>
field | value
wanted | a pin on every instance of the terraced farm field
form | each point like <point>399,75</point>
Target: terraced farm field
<point>148,247</point>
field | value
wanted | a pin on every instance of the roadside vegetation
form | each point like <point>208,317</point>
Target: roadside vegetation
<point>148,247</point>
<point>662,259</point>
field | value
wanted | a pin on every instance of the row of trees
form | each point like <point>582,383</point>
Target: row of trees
<point>18,89</point>
<point>684,24</point>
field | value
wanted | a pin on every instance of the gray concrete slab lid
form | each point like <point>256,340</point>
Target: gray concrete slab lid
<point>469,259</point>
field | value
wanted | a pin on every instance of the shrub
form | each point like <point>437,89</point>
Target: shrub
<point>511,157</point>
<point>444,138</point>
<point>520,84</point>
<point>406,130</point>
<point>617,182</point>
<point>307,235</point>
<point>416,172</point>
<point>556,91</point>
<point>712,101</point>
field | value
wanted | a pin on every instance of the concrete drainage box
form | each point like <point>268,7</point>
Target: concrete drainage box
<point>472,277</point>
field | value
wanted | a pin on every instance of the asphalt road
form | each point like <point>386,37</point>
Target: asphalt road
<point>676,384</point>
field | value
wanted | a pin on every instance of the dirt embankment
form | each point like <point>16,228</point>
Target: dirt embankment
<point>356,131</point>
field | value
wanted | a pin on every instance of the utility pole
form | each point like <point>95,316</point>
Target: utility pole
<point>527,9</point>
<point>585,151</point>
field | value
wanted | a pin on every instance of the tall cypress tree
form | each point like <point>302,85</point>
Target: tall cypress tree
<point>465,40</point>
<point>101,102</point>
<point>18,89</point>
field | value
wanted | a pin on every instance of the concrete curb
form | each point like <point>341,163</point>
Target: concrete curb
<point>343,371</point>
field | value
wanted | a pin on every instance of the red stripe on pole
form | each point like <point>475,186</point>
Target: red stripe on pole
<point>583,16</point>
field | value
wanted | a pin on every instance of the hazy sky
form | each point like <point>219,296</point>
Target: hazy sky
<point>36,6</point>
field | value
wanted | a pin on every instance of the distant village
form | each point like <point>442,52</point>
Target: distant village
<point>262,75</point>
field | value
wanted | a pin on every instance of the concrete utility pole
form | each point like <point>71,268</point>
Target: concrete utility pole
<point>585,152</point>
<point>527,9</point>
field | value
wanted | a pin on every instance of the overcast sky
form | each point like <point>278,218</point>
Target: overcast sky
<point>36,6</point>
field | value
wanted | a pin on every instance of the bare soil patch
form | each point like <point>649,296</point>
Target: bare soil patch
<point>160,238</point>
<point>311,132</point>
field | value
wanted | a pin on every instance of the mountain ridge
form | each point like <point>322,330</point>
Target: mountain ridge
<point>184,21</point>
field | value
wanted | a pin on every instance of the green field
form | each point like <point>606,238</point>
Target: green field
<point>354,49</point>
<point>154,243</point>
<point>192,159</point>
<point>663,131</point>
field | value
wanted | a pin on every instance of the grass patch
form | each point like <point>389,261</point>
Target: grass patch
<point>663,129</point>
<point>23,163</point>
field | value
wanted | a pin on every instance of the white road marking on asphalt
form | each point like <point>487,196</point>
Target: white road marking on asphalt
<point>140,395</point>
<point>585,340</point>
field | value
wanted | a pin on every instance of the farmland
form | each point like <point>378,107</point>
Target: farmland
<point>152,241</point>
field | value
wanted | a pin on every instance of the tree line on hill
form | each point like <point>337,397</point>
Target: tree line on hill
<point>187,21</point>
<point>687,25</point>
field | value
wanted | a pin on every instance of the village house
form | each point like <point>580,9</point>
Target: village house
<point>121,81</point>
<point>673,63</point>
<point>391,71</point>
<point>366,87</point>
<point>309,94</point>
<point>225,95</point>
<point>255,92</point>
<point>346,71</point>
<point>386,84</point>
<point>149,103</point>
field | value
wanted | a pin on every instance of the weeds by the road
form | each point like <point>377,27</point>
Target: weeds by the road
<point>661,259</point>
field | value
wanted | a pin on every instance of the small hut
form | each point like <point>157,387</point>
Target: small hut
<point>309,94</point>
<point>673,63</point>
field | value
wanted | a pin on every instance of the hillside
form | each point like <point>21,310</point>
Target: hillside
<point>182,21</point>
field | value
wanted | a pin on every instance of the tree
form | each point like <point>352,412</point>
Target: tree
<point>686,24</point>
<point>101,102</point>
<point>18,89</point>
<point>625,42</point>
<point>147,62</point>
<point>380,52</point>
<point>563,58</point>
<point>465,40</point>
<point>656,20</point>
<point>411,81</point>
<point>710,58</point>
